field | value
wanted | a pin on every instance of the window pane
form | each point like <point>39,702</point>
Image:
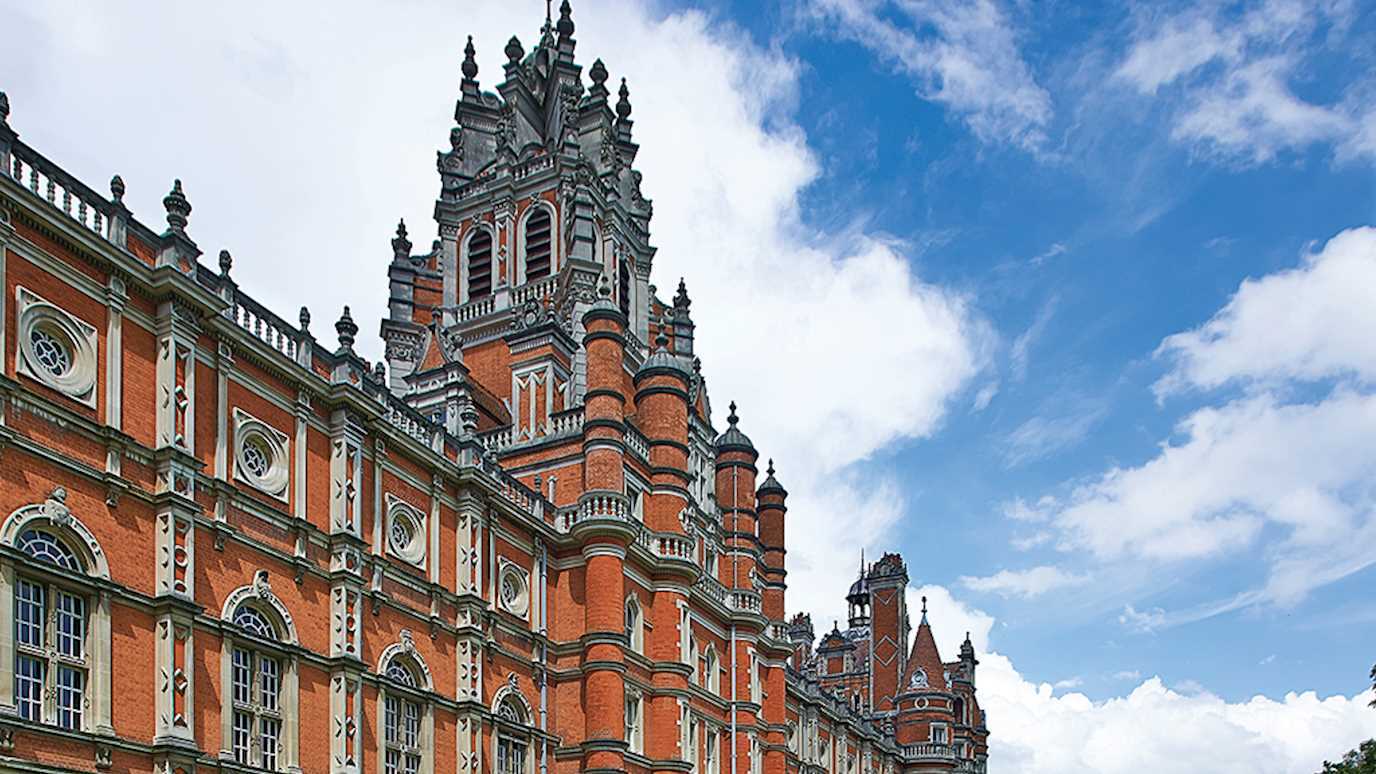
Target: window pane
<point>28,687</point>
<point>411,735</point>
<point>47,548</point>
<point>393,762</point>
<point>243,732</point>
<point>28,614</point>
<point>269,683</point>
<point>71,625</point>
<point>254,622</point>
<point>71,689</point>
<point>390,722</point>
<point>243,666</point>
<point>268,735</point>
<point>412,763</point>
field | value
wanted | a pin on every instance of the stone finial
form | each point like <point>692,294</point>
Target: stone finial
<point>731,418</point>
<point>697,365</point>
<point>769,471</point>
<point>305,319</point>
<point>380,372</point>
<point>623,105</point>
<point>226,263</point>
<point>598,73</point>
<point>513,50</point>
<point>470,65</point>
<point>604,286</point>
<point>178,208</point>
<point>401,246</point>
<point>4,107</point>
<point>681,300</point>
<point>565,25</point>
<point>117,189</point>
<point>662,338</point>
<point>347,330</point>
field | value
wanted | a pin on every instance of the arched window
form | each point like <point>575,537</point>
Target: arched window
<point>55,669</point>
<point>635,725</point>
<point>539,242</point>
<point>407,720</point>
<point>479,264</point>
<point>513,731</point>
<point>635,625</point>
<point>710,669</point>
<point>259,678</point>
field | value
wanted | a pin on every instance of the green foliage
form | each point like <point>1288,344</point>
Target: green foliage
<point>1359,761</point>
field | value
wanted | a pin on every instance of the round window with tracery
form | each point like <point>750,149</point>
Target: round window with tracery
<point>52,351</point>
<point>405,533</point>
<point>260,455</point>
<point>515,596</point>
<point>256,458</point>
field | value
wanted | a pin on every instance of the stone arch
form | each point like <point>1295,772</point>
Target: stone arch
<point>556,252</point>
<point>259,594</point>
<point>405,649</point>
<point>53,515</point>
<point>510,694</point>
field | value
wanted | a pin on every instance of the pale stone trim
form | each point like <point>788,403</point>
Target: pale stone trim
<point>32,310</point>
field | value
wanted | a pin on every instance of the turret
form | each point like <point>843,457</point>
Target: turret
<point>735,472</point>
<point>661,408</point>
<point>968,661</point>
<point>858,599</point>
<point>770,506</point>
<point>925,702</point>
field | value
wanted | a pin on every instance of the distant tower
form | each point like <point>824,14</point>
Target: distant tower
<point>888,610</point>
<point>858,599</point>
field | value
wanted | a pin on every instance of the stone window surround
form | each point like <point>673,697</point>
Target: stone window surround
<point>423,693</point>
<point>54,516</point>
<point>509,569</point>
<point>636,636</point>
<point>415,552</point>
<point>79,381</point>
<point>520,732</point>
<point>478,225</point>
<point>259,594</point>
<point>555,256</point>
<point>249,429</point>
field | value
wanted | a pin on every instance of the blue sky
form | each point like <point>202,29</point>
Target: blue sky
<point>1068,303</point>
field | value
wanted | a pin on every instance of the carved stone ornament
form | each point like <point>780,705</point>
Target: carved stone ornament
<point>55,508</point>
<point>261,586</point>
<point>408,643</point>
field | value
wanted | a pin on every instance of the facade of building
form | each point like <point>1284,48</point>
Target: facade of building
<point>517,545</point>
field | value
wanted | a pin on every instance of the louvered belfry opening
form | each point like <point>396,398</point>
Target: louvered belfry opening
<point>480,264</point>
<point>623,288</point>
<point>539,241</point>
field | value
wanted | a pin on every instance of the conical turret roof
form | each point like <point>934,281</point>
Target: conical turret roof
<point>924,657</point>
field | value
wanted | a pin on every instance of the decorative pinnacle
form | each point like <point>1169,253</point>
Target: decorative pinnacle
<point>681,300</point>
<point>4,107</point>
<point>565,25</point>
<point>305,319</point>
<point>226,262</point>
<point>347,330</point>
<point>769,471</point>
<point>513,50</point>
<point>623,105</point>
<point>604,287</point>
<point>598,73</point>
<point>470,65</point>
<point>178,208</point>
<point>924,609</point>
<point>117,188</point>
<point>731,418</point>
<point>662,338</point>
<point>401,246</point>
<point>380,371</point>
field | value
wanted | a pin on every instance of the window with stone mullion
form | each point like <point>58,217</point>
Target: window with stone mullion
<point>257,723</point>
<point>402,735</point>
<point>50,660</point>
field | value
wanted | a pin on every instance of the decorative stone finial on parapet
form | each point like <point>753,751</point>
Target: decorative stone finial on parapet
<point>513,51</point>
<point>681,300</point>
<point>604,286</point>
<point>401,246</point>
<point>4,108</point>
<point>468,417</point>
<point>662,338</point>
<point>470,65</point>
<point>117,189</point>
<point>226,263</point>
<point>380,372</point>
<point>178,208</point>
<point>565,25</point>
<point>305,320</point>
<point>598,73</point>
<point>623,105</point>
<point>347,330</point>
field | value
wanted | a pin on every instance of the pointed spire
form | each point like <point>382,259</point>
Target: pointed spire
<point>347,329</point>
<point>178,208</point>
<point>513,51</point>
<point>401,246</point>
<point>117,189</point>
<point>862,551</point>
<point>565,25</point>
<point>470,64</point>
<point>623,105</point>
<point>226,263</point>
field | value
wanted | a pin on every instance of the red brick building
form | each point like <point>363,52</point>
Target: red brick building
<point>519,545</point>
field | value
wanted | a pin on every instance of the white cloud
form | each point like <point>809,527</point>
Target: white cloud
<point>1028,583</point>
<point>1142,621</point>
<point>1311,322</point>
<point>1233,72</point>
<point>1041,436</point>
<point>1036,729</point>
<point>301,136</point>
<point>961,54</point>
